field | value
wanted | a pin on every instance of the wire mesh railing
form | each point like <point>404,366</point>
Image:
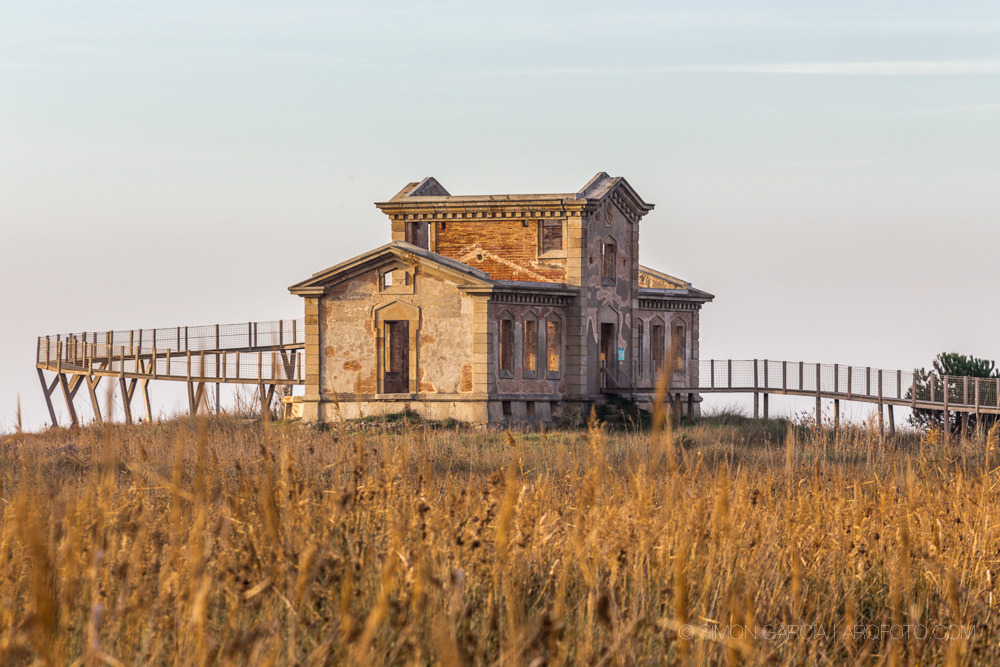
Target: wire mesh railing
<point>248,352</point>
<point>862,383</point>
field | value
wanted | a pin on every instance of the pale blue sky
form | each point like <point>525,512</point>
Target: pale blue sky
<point>829,172</point>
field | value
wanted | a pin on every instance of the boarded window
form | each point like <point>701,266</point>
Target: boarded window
<point>656,345</point>
<point>553,340</point>
<point>680,346</point>
<point>530,346</point>
<point>507,345</point>
<point>552,236</point>
<point>608,257</point>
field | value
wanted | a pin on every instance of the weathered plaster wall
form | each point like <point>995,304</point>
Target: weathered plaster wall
<point>350,344</point>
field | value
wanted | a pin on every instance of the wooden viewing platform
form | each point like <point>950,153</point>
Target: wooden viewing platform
<point>265,354</point>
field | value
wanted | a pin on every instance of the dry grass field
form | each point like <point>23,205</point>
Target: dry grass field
<point>729,541</point>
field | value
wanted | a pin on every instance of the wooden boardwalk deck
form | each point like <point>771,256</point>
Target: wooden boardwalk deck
<point>265,354</point>
<point>270,355</point>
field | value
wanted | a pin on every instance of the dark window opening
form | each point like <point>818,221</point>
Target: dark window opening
<point>656,344</point>
<point>552,236</point>
<point>507,345</point>
<point>529,409</point>
<point>505,407</point>
<point>608,252</point>
<point>639,336</point>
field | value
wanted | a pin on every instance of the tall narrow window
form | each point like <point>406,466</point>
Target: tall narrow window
<point>656,344</point>
<point>679,345</point>
<point>530,346</point>
<point>551,233</point>
<point>553,345</point>
<point>507,346</point>
<point>639,333</point>
<point>608,257</point>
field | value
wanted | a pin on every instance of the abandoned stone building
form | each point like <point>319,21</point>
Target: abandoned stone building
<point>497,307</point>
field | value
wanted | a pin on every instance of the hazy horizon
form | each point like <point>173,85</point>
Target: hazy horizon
<point>830,173</point>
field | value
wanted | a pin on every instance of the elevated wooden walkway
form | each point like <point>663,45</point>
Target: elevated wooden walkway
<point>836,382</point>
<point>265,354</point>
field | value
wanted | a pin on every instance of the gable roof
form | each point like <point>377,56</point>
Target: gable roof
<point>653,283</point>
<point>316,284</point>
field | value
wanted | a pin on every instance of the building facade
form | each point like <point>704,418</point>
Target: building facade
<point>497,308</point>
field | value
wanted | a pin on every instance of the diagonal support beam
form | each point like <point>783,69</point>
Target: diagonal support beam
<point>126,393</point>
<point>92,383</point>
<point>144,391</point>
<point>69,390</point>
<point>47,390</point>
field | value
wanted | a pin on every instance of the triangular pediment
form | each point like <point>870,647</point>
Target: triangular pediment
<point>616,189</point>
<point>392,256</point>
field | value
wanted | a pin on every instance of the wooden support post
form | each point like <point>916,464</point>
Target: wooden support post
<point>218,398</point>
<point>200,398</point>
<point>677,410</point>
<point>913,391</point>
<point>802,376</point>
<point>756,381</point>
<point>784,376</point>
<point>126,392</point>
<point>899,385</point>
<point>92,382</point>
<point>729,378</point>
<point>868,381</point>
<point>146,405</point>
<point>690,407</point>
<point>979,422</point>
<point>69,393</point>
<point>965,424</point>
<point>217,344</point>
<point>881,424</point>
<point>965,390</point>
<point>756,405</point>
<point>47,390</point>
<point>836,378</point>
<point>836,414</point>
<point>946,420</point>
<point>881,419</point>
<point>711,371</point>
<point>765,406</point>
<point>849,387</point>
<point>192,406</point>
<point>819,411</point>
<point>765,379</point>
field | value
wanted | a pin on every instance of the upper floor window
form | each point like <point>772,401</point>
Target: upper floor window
<point>550,236</point>
<point>553,346</point>
<point>609,255</point>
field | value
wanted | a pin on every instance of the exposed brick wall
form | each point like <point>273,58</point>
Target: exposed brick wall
<point>506,249</point>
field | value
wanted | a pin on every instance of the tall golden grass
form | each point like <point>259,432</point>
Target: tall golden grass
<point>730,541</point>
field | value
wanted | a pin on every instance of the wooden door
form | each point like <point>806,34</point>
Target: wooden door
<point>396,369</point>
